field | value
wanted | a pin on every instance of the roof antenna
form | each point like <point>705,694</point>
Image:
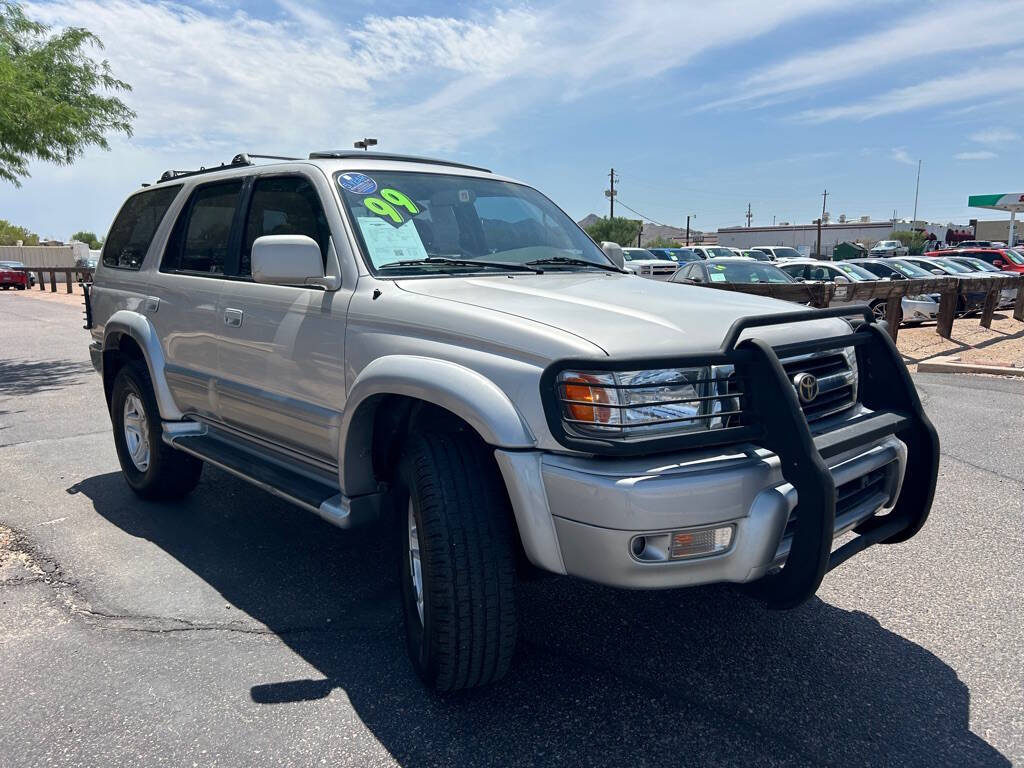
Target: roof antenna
<point>365,144</point>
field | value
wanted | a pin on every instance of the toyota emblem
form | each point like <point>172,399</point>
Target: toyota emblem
<point>806,386</point>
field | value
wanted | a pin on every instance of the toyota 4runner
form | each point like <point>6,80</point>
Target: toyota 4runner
<point>380,337</point>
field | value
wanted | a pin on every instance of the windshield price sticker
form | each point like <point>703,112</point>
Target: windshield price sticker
<point>357,183</point>
<point>717,277</point>
<point>388,243</point>
<point>391,205</point>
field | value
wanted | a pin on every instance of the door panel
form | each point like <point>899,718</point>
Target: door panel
<point>282,376</point>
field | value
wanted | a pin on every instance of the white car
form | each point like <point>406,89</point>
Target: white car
<point>778,252</point>
<point>713,252</point>
<point>642,262</point>
<point>888,248</point>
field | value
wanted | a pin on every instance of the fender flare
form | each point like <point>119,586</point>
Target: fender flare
<point>137,327</point>
<point>464,392</point>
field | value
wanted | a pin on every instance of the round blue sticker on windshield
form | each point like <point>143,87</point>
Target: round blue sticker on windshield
<point>357,183</point>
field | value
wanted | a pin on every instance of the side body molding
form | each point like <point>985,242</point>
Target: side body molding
<point>125,322</point>
<point>468,394</point>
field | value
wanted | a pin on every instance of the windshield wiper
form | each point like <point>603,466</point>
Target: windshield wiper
<point>448,261</point>
<point>568,261</point>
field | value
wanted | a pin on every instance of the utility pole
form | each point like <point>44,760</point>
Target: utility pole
<point>824,197</point>
<point>640,234</point>
<point>610,193</point>
<point>749,214</point>
<point>916,190</point>
<point>688,229</point>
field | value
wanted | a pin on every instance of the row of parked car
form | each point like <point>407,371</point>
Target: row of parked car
<point>717,264</point>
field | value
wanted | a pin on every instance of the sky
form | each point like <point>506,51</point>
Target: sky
<point>701,107</point>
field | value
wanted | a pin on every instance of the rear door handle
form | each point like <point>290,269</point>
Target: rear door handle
<point>233,318</point>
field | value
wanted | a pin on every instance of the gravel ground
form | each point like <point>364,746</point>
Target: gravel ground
<point>232,629</point>
<point>1002,344</point>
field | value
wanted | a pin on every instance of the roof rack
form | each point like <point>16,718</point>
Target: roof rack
<point>240,160</point>
<point>341,154</point>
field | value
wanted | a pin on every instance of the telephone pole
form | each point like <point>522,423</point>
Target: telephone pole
<point>824,197</point>
<point>688,229</point>
<point>610,193</point>
<point>917,189</point>
<point>749,214</point>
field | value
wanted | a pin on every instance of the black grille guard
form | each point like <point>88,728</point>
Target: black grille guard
<point>778,424</point>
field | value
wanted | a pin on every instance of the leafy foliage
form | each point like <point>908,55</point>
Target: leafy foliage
<point>661,242</point>
<point>53,102</point>
<point>915,241</point>
<point>89,238</point>
<point>10,234</point>
<point>616,230</point>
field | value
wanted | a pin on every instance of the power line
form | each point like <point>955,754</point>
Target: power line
<point>642,216</point>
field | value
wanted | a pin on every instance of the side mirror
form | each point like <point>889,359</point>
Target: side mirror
<point>614,252</point>
<point>287,260</point>
<point>841,279</point>
<point>937,272</point>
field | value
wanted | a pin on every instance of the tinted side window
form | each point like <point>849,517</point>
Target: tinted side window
<point>201,238</point>
<point>134,227</point>
<point>285,205</point>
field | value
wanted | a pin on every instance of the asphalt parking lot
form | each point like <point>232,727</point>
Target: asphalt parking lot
<point>233,629</point>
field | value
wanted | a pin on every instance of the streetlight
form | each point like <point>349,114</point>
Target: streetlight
<point>365,144</point>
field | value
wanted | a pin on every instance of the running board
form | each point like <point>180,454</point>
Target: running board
<point>277,478</point>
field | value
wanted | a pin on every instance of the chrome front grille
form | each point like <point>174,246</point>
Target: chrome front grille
<point>837,383</point>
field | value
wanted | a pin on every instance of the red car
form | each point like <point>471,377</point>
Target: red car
<point>1006,259</point>
<point>12,277</point>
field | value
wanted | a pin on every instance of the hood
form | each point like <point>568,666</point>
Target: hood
<point>624,315</point>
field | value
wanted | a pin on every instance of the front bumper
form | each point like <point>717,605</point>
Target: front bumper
<point>873,472</point>
<point>919,310</point>
<point>599,509</point>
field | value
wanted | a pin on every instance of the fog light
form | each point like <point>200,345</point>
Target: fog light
<point>699,543</point>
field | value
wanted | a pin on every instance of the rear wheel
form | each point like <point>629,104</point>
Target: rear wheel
<point>152,468</point>
<point>458,571</point>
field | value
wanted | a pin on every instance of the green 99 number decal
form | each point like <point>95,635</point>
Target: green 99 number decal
<point>389,207</point>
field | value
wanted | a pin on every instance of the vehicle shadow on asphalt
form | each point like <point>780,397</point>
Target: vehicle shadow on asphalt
<point>603,676</point>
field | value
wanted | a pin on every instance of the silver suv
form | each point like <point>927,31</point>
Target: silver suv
<point>427,344</point>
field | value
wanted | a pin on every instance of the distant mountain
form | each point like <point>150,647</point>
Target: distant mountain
<point>651,232</point>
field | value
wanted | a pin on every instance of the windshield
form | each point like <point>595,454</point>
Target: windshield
<point>720,253</point>
<point>908,269</point>
<point>854,272</point>
<point>638,254</point>
<point>410,217</point>
<point>977,264</point>
<point>952,266</point>
<point>12,264</point>
<point>787,253</point>
<point>681,255</point>
<point>759,255</point>
<point>1015,256</point>
<point>746,272</point>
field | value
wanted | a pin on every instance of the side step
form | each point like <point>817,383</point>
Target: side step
<point>277,477</point>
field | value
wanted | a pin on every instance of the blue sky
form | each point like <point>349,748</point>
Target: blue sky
<point>701,107</point>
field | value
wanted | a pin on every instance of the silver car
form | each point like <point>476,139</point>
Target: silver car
<point>383,337</point>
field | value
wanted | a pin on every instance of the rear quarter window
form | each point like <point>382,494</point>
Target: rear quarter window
<point>136,224</point>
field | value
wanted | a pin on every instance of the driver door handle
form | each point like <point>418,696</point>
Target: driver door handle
<point>233,318</point>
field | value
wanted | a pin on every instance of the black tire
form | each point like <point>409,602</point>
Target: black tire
<point>467,635</point>
<point>170,474</point>
<point>878,310</point>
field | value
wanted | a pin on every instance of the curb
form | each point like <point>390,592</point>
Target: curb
<point>947,365</point>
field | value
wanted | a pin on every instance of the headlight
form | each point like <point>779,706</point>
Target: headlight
<point>921,297</point>
<point>643,403</point>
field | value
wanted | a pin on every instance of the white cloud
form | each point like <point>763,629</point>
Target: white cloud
<point>995,136</point>
<point>899,154</point>
<point>923,34</point>
<point>938,92</point>
<point>981,155</point>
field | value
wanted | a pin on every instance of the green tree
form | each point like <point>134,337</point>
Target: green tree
<point>915,241</point>
<point>661,242</point>
<point>89,238</point>
<point>616,230</point>
<point>10,234</point>
<point>54,100</point>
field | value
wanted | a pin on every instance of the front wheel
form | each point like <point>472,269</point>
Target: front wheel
<point>878,310</point>
<point>458,571</point>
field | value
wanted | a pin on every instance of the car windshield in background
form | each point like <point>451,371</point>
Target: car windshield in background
<point>854,272</point>
<point>908,269</point>
<point>787,253</point>
<point>410,223</point>
<point>952,266</point>
<point>721,253</point>
<point>976,264</point>
<point>1015,256</point>
<point>680,255</point>
<point>746,272</point>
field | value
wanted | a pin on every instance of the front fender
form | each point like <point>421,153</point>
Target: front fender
<point>136,326</point>
<point>464,392</point>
